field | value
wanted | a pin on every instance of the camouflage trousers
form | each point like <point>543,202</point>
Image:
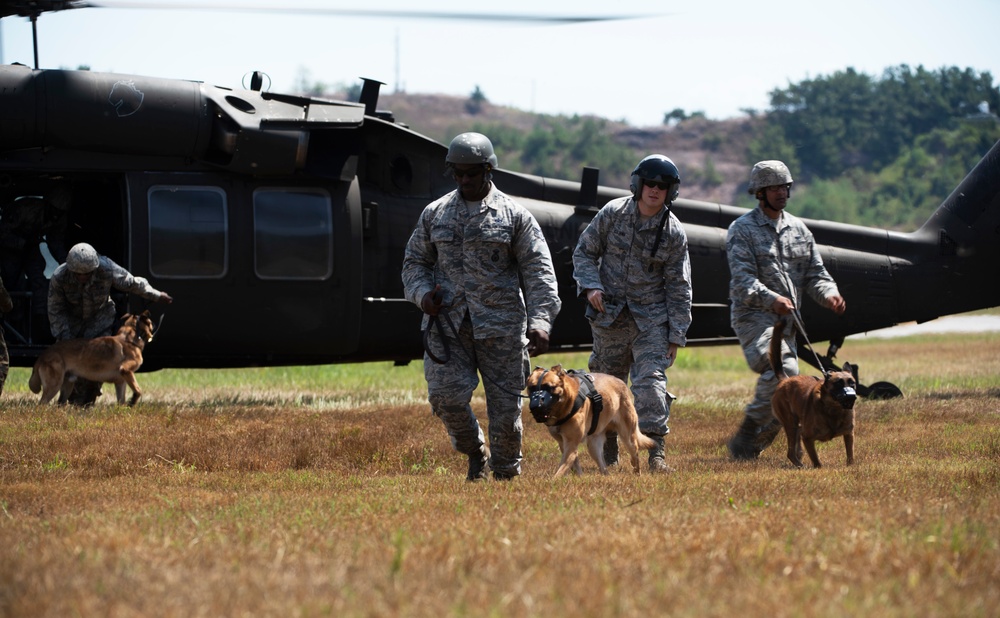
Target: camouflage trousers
<point>504,364</point>
<point>628,352</point>
<point>755,343</point>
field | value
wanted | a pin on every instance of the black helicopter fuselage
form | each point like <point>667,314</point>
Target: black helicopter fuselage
<point>278,223</point>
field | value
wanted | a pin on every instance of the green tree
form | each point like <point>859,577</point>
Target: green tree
<point>771,144</point>
<point>476,101</point>
<point>852,119</point>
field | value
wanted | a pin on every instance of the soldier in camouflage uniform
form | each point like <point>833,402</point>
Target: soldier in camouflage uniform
<point>772,259</point>
<point>462,267</point>
<point>5,306</point>
<point>632,264</point>
<point>80,304</point>
<point>28,221</point>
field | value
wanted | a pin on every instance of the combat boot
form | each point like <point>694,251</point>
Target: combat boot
<point>742,446</point>
<point>766,435</point>
<point>657,464</point>
<point>610,449</point>
<point>478,468</point>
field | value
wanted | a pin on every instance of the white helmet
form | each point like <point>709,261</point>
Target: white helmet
<point>768,174</point>
<point>82,259</point>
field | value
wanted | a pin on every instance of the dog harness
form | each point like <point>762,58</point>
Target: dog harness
<point>587,391</point>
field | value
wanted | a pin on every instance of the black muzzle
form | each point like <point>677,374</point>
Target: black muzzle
<point>539,403</point>
<point>845,397</point>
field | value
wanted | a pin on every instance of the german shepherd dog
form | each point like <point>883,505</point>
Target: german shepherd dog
<point>812,408</point>
<point>556,401</point>
<point>113,359</point>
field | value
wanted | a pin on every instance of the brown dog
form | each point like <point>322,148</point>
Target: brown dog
<point>811,408</point>
<point>556,402</point>
<point>113,359</point>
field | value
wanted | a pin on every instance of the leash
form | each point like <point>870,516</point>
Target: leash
<point>158,324</point>
<point>802,331</point>
<point>435,322</point>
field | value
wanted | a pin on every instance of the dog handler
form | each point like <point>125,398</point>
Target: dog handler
<point>772,259</point>
<point>632,264</point>
<point>477,261</point>
<point>80,304</point>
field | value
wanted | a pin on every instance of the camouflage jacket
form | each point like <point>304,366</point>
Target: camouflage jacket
<point>481,261</point>
<point>767,261</point>
<point>86,309</point>
<point>6,303</point>
<point>614,255</point>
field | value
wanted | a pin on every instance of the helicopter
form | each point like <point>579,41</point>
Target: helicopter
<point>278,222</point>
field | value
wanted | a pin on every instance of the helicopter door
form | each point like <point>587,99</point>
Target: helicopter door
<point>260,273</point>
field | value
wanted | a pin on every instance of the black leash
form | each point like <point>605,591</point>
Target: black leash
<point>802,331</point>
<point>435,322</point>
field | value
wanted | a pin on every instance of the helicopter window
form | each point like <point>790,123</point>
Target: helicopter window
<point>293,234</point>
<point>187,232</point>
<point>402,173</point>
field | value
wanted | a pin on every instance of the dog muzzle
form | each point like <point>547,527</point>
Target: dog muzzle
<point>539,403</point>
<point>845,397</point>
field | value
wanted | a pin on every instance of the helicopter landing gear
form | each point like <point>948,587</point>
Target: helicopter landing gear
<point>874,392</point>
<point>879,390</point>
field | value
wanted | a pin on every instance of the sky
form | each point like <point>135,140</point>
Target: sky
<point>712,56</point>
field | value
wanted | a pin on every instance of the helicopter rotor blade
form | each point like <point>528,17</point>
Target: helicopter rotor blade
<point>307,10</point>
<point>34,8</point>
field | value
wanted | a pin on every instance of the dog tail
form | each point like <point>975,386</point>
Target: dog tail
<point>774,353</point>
<point>35,381</point>
<point>645,442</point>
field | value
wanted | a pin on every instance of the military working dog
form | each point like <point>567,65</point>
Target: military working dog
<point>113,359</point>
<point>812,408</point>
<point>579,407</point>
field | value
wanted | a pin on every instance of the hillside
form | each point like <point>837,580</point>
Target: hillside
<point>711,155</point>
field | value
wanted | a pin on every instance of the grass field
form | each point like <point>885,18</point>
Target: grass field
<point>332,491</point>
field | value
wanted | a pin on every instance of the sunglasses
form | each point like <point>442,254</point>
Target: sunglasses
<point>662,186</point>
<point>470,173</point>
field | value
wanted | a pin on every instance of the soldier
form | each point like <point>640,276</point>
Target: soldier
<point>27,221</point>
<point>772,258</point>
<point>6,304</point>
<point>632,264</point>
<point>80,304</point>
<point>465,265</point>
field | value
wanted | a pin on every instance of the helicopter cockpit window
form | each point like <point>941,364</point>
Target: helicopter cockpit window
<point>187,232</point>
<point>293,233</point>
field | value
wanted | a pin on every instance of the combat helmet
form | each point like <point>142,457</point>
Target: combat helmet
<point>768,174</point>
<point>471,149</point>
<point>658,168</point>
<point>82,259</point>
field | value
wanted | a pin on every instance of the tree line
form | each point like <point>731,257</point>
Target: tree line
<point>871,150</point>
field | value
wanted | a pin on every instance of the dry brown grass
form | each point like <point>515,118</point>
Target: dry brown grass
<point>277,505</point>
